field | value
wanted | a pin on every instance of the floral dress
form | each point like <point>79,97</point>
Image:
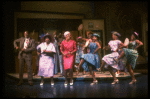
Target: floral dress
<point>109,58</point>
<point>131,54</point>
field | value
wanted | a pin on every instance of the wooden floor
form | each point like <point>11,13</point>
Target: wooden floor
<point>80,76</point>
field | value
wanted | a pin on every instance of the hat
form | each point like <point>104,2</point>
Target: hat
<point>66,33</point>
<point>79,37</point>
<point>135,34</point>
<point>95,34</point>
<point>49,36</point>
<point>116,33</point>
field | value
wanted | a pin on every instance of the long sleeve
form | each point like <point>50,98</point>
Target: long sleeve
<point>15,42</point>
<point>74,46</point>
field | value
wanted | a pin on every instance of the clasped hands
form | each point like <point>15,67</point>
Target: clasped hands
<point>68,53</point>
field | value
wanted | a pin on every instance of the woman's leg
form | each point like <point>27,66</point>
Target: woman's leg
<point>80,64</point>
<point>113,74</point>
<point>65,74</point>
<point>131,73</point>
<point>52,81</point>
<point>102,65</point>
<point>42,80</point>
<point>122,54</point>
<point>92,72</point>
<point>71,75</point>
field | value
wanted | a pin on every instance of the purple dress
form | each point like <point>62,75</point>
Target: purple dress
<point>46,63</point>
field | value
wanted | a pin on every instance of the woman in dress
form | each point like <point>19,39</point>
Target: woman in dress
<point>108,60</point>
<point>68,49</point>
<point>79,52</point>
<point>91,59</point>
<point>131,54</point>
<point>46,62</point>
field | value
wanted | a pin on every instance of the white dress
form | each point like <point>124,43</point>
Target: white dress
<point>46,63</point>
<point>114,44</point>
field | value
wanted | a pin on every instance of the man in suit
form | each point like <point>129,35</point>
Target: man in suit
<point>27,45</point>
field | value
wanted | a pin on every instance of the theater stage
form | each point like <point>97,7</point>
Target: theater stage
<point>80,76</point>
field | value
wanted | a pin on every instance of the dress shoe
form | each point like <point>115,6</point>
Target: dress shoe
<point>71,82</point>
<point>115,81</point>
<point>133,81</point>
<point>94,82</point>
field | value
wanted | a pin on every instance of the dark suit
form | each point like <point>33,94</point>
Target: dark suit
<point>25,56</point>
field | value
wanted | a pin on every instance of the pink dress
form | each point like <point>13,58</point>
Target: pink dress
<point>69,59</point>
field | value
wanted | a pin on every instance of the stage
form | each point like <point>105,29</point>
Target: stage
<point>80,76</point>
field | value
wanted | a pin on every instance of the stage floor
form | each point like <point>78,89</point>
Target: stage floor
<point>80,76</point>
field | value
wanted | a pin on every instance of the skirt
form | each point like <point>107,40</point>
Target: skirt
<point>91,60</point>
<point>110,61</point>
<point>46,66</point>
<point>131,56</point>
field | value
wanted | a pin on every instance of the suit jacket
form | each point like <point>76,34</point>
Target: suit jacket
<point>30,48</point>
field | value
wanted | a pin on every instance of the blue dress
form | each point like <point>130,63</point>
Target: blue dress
<point>79,53</point>
<point>91,59</point>
<point>131,54</point>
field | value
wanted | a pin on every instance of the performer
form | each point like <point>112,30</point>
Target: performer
<point>86,49</point>
<point>131,54</point>
<point>68,49</point>
<point>108,60</point>
<point>60,39</point>
<point>46,62</point>
<point>27,45</point>
<point>57,52</point>
<point>79,52</point>
<point>91,59</point>
<point>122,64</point>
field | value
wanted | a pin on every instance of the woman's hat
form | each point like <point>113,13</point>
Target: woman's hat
<point>49,36</point>
<point>135,34</point>
<point>116,33</point>
<point>79,37</point>
<point>95,34</point>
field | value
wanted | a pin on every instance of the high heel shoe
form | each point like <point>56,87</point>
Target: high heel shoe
<point>52,83</point>
<point>115,81</point>
<point>41,84</point>
<point>65,83</point>
<point>133,81</point>
<point>94,82</point>
<point>99,69</point>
